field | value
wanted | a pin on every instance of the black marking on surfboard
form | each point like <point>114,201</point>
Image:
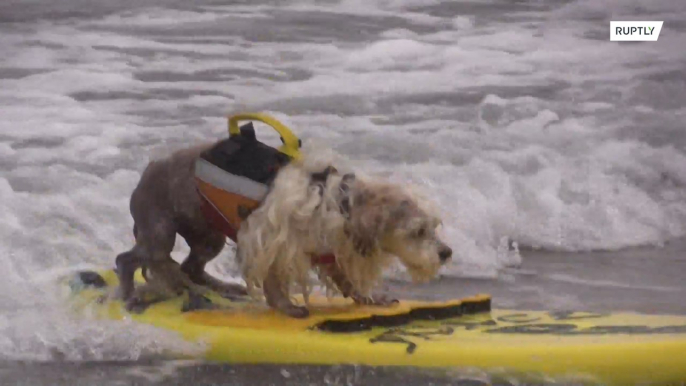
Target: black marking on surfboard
<point>468,326</point>
<point>86,279</point>
<point>401,336</point>
<point>412,336</point>
<point>431,312</point>
<point>540,328</point>
<point>518,318</point>
<point>568,329</point>
<point>573,315</point>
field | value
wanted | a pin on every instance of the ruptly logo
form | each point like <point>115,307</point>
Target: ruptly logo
<point>635,31</point>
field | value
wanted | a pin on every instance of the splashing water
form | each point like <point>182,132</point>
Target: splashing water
<point>524,122</point>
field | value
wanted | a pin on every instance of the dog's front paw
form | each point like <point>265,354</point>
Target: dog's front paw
<point>294,311</point>
<point>231,291</point>
<point>374,300</point>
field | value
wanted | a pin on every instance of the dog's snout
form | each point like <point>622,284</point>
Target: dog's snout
<point>445,254</point>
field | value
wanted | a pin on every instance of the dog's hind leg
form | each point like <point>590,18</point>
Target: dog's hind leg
<point>148,293</point>
<point>203,250</point>
<point>127,264</point>
<point>164,280</point>
<point>155,238</point>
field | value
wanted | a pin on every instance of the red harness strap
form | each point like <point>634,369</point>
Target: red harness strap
<point>326,259</point>
<point>220,223</point>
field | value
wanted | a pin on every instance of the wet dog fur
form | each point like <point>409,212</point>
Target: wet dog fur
<point>363,222</point>
<point>166,203</point>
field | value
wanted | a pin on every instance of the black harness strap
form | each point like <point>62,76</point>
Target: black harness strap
<point>319,179</point>
<point>345,194</point>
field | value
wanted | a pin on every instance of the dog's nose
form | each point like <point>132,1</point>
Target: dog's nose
<point>445,254</point>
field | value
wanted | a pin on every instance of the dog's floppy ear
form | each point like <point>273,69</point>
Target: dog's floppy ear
<point>401,210</point>
<point>366,224</point>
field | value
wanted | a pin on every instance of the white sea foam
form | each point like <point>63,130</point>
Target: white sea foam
<point>525,123</point>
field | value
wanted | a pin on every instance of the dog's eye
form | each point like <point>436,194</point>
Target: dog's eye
<point>421,232</point>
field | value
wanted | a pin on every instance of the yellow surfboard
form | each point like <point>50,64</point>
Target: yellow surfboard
<point>597,348</point>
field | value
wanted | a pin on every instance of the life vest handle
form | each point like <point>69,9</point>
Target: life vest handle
<point>291,143</point>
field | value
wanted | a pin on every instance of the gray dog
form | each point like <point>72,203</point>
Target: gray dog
<point>165,203</point>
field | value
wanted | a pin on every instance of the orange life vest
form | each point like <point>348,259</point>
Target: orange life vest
<point>233,177</point>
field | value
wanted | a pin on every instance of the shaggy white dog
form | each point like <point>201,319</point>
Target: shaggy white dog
<point>313,210</point>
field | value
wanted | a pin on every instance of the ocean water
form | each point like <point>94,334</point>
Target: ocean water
<point>527,125</point>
